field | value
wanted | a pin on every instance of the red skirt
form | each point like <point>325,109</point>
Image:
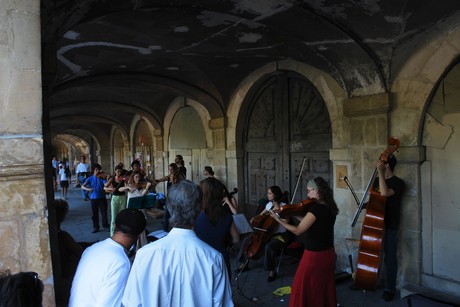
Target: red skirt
<point>314,281</point>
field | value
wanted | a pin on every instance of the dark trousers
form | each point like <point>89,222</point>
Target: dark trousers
<point>99,204</point>
<point>390,259</point>
<point>166,218</point>
<point>273,249</point>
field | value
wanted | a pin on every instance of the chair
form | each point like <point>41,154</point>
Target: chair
<point>293,250</point>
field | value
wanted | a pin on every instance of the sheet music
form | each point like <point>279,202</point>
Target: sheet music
<point>242,224</point>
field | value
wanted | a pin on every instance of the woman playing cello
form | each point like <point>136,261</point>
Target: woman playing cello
<point>280,239</point>
<point>314,281</point>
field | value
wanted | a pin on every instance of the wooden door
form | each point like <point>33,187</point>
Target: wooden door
<point>287,120</point>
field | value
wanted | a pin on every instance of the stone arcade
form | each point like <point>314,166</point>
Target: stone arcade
<point>249,87</point>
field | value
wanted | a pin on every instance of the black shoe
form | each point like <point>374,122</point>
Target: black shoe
<point>95,230</point>
<point>388,296</point>
<point>272,278</point>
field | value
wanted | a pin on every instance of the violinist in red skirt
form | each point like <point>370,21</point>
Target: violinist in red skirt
<point>314,281</point>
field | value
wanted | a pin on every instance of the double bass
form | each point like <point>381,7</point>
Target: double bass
<point>372,232</point>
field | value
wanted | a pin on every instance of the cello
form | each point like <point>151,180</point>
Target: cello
<point>371,242</point>
<point>263,226</point>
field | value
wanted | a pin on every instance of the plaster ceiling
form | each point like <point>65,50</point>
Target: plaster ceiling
<point>106,61</point>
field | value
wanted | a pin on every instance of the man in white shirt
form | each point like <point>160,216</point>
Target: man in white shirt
<point>179,269</point>
<point>104,266</point>
<point>83,171</point>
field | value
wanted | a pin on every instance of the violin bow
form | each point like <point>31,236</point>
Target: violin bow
<point>298,179</point>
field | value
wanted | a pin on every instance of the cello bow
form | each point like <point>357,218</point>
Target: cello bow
<point>351,189</point>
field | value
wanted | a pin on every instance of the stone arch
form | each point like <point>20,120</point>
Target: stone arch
<point>142,141</point>
<point>329,89</point>
<point>120,146</point>
<point>417,79</point>
<point>415,86</point>
<point>440,200</point>
<point>331,92</point>
<point>70,146</point>
<point>195,158</point>
<point>179,103</point>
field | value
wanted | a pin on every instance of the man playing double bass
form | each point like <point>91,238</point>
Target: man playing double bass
<point>392,188</point>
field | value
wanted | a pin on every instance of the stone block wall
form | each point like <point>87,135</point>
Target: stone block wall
<point>23,214</point>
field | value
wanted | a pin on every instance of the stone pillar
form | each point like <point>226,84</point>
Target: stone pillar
<point>160,159</point>
<point>23,215</point>
<point>368,134</point>
<point>217,154</point>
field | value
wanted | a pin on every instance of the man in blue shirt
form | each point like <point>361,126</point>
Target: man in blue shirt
<point>95,186</point>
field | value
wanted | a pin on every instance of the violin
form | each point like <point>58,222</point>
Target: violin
<point>299,209</point>
<point>102,175</point>
<point>110,187</point>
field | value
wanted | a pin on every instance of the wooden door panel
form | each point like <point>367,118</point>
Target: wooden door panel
<point>316,164</point>
<point>262,174</point>
<point>288,120</point>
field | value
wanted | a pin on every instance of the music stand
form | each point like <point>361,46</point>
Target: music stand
<point>243,227</point>
<point>242,224</point>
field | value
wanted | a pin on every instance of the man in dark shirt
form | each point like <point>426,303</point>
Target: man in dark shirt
<point>392,188</point>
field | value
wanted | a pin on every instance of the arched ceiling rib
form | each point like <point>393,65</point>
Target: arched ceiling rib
<point>143,54</point>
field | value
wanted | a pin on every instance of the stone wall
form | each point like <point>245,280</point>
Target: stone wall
<point>23,214</point>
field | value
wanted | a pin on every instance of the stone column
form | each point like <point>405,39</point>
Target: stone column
<point>368,133</point>
<point>217,153</point>
<point>23,215</point>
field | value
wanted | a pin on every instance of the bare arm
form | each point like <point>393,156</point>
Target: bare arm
<point>232,204</point>
<point>162,179</point>
<point>83,187</point>
<point>146,189</point>
<point>125,188</point>
<point>384,190</point>
<point>303,226</point>
<point>107,184</point>
<point>234,233</point>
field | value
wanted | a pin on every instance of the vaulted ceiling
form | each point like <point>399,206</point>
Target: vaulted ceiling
<point>106,61</point>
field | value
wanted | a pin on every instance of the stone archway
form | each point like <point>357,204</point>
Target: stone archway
<point>286,120</point>
<point>440,202</point>
<point>143,145</point>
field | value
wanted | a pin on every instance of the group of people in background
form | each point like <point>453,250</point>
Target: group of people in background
<point>199,219</point>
